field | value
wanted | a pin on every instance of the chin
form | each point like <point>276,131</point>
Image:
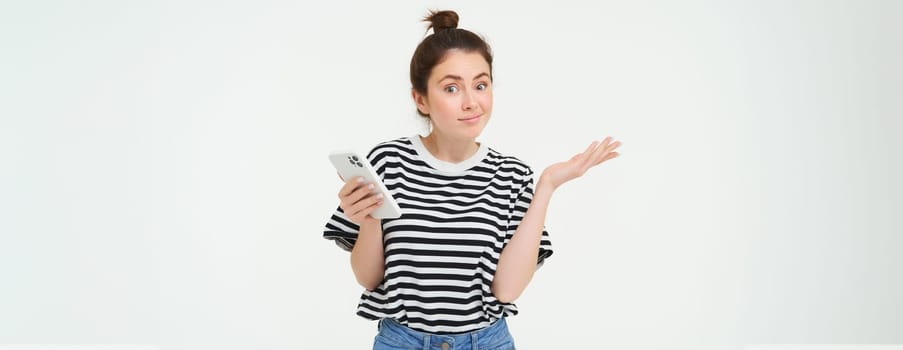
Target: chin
<point>472,133</point>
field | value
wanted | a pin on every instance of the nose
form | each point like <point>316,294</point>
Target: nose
<point>469,101</point>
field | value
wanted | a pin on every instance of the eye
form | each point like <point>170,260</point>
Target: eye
<point>451,89</point>
<point>482,86</point>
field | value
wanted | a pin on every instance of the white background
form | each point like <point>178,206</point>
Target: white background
<point>165,181</point>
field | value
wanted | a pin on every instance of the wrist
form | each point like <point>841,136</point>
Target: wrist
<point>544,187</point>
<point>370,223</point>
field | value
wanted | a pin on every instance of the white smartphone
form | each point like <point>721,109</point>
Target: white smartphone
<point>350,164</point>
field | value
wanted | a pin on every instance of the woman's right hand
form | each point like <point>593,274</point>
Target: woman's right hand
<point>358,199</point>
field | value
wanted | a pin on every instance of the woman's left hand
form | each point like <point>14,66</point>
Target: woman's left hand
<point>559,173</point>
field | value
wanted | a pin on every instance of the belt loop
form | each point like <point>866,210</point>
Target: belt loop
<point>474,341</point>
<point>426,342</point>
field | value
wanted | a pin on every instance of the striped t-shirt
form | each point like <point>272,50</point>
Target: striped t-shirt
<point>442,252</point>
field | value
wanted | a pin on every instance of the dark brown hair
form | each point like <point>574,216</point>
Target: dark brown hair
<point>433,49</point>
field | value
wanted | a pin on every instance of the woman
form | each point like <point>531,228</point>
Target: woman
<point>445,274</point>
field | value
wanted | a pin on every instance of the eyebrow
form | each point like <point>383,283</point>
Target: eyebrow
<point>458,77</point>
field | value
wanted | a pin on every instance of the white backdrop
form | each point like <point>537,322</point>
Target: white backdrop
<point>165,181</point>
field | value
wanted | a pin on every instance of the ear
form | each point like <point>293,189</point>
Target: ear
<point>423,104</point>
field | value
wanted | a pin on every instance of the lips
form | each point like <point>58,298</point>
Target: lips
<point>470,119</point>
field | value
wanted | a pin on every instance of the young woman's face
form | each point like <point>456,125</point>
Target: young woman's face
<point>459,95</point>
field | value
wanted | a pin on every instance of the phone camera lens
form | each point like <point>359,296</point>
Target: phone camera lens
<point>355,158</point>
<point>359,165</point>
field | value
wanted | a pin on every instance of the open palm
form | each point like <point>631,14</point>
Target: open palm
<point>559,173</point>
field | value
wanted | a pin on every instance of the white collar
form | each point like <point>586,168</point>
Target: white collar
<point>448,167</point>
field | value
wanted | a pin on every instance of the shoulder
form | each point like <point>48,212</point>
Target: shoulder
<point>509,163</point>
<point>391,147</point>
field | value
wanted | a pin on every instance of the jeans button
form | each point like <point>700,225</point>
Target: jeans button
<point>444,346</point>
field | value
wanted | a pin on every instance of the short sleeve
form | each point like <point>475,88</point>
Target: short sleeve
<point>521,204</point>
<point>339,228</point>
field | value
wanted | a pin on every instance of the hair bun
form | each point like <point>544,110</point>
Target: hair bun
<point>442,20</point>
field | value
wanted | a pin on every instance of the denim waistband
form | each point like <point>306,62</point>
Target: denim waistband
<point>495,335</point>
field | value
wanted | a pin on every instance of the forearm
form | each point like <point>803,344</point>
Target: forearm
<point>517,262</point>
<point>367,257</point>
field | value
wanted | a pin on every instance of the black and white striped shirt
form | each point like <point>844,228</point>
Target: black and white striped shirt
<point>442,252</point>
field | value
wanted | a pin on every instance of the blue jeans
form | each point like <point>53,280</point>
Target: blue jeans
<point>396,336</point>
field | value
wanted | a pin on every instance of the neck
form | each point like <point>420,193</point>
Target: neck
<point>449,149</point>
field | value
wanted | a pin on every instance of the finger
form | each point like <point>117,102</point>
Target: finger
<point>606,141</point>
<point>591,161</point>
<point>584,157</point>
<point>606,148</point>
<point>359,193</point>
<point>350,185</point>
<point>591,147</point>
<point>607,156</point>
<point>603,145</point>
<point>365,203</point>
<point>613,146</point>
<point>340,176</point>
<point>369,210</point>
<point>593,154</point>
<point>600,154</point>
